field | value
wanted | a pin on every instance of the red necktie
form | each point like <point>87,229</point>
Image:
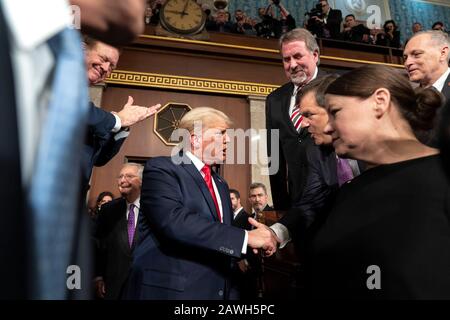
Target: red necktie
<point>296,116</point>
<point>207,176</point>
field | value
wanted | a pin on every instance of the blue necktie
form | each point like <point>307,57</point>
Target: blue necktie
<point>55,187</point>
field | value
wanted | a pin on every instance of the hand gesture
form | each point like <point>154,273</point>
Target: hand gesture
<point>131,114</point>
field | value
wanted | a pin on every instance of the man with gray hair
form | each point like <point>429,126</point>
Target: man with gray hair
<point>300,56</point>
<point>117,233</point>
<point>427,58</point>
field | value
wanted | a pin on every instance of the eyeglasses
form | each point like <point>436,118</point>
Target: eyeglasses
<point>126,176</point>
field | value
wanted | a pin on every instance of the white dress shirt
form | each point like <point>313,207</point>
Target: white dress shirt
<point>237,212</point>
<point>31,24</point>
<point>440,83</point>
<point>199,165</point>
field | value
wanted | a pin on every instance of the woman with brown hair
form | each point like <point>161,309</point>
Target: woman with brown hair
<point>388,233</point>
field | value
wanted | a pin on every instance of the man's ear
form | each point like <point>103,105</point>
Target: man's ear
<point>195,141</point>
<point>382,99</point>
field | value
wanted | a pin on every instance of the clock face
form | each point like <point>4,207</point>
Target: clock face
<point>182,16</point>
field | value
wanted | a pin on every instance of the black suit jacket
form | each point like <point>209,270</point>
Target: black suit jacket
<point>290,152</point>
<point>321,186</point>
<point>14,233</point>
<point>100,145</point>
<point>446,89</point>
<point>185,252</point>
<point>241,220</point>
<point>333,24</point>
<point>114,255</point>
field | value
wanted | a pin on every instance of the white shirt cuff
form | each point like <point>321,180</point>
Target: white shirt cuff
<point>282,233</point>
<point>118,125</point>
<point>244,246</point>
<point>121,134</point>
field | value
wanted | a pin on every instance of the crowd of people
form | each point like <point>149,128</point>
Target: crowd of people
<point>361,177</point>
<point>322,21</point>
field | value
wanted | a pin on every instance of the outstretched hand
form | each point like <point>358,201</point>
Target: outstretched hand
<point>262,238</point>
<point>132,114</point>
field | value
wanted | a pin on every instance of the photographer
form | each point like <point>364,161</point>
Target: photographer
<point>243,24</point>
<point>269,25</point>
<point>324,22</point>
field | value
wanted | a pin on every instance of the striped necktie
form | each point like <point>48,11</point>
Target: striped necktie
<point>296,116</point>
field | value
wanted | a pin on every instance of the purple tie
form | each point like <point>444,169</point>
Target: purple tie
<point>131,226</point>
<point>344,171</point>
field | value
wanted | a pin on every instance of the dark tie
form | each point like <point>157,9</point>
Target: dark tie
<point>344,171</point>
<point>208,179</point>
<point>131,226</point>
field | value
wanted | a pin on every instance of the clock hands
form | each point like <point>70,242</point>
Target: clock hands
<point>173,11</point>
<point>183,13</point>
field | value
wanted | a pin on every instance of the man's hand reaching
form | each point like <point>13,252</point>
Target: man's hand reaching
<point>131,114</point>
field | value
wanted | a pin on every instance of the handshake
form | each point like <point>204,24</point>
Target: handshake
<point>262,238</point>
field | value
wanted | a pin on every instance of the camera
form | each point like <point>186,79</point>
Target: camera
<point>313,25</point>
<point>315,12</point>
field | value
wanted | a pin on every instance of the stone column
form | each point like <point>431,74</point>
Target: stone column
<point>258,144</point>
<point>96,93</point>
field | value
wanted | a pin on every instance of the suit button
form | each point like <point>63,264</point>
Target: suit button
<point>299,139</point>
<point>221,293</point>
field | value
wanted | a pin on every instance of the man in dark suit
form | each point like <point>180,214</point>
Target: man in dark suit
<point>189,247</point>
<point>287,158</point>
<point>106,130</point>
<point>354,31</point>
<point>324,169</point>
<point>117,234</point>
<point>427,62</point>
<point>329,25</point>
<point>30,57</point>
<point>258,198</point>
<point>240,216</point>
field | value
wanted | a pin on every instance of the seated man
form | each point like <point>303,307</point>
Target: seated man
<point>355,32</point>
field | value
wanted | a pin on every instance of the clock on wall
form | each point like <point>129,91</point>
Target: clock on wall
<point>184,17</point>
<point>167,120</point>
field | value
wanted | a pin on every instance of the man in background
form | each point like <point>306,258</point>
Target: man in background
<point>117,233</point>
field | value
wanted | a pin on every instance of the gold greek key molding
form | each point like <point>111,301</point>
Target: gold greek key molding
<point>225,45</point>
<point>140,79</point>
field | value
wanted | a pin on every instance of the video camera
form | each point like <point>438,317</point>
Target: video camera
<point>314,25</point>
<point>315,12</point>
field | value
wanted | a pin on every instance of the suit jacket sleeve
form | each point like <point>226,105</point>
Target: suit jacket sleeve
<point>171,220</point>
<point>278,178</point>
<point>314,197</point>
<point>334,23</point>
<point>100,124</point>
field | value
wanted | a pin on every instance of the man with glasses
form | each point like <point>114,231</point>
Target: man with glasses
<point>117,234</point>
